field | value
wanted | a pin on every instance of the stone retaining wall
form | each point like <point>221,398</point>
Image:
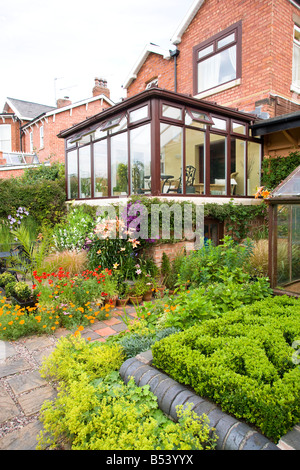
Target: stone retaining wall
<point>232,434</point>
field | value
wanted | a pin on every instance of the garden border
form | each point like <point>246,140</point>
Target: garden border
<point>232,434</point>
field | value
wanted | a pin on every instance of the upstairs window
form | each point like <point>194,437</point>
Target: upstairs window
<point>296,58</point>
<point>5,137</point>
<point>42,137</point>
<point>218,60</point>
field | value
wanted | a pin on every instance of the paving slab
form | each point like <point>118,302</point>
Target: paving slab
<point>26,382</point>
<point>8,408</point>
<point>37,342</point>
<point>13,367</point>
<point>31,402</point>
<point>22,439</point>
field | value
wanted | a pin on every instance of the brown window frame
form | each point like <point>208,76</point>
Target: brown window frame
<point>237,30</point>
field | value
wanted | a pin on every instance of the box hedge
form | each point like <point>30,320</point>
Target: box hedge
<point>243,362</point>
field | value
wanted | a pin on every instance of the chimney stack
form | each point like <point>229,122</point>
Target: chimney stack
<point>61,102</point>
<point>100,87</point>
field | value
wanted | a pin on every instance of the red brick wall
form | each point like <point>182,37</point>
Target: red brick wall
<point>171,250</point>
<point>53,146</point>
<point>267,51</point>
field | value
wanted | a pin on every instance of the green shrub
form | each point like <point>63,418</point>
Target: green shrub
<point>6,278</point>
<point>22,291</point>
<point>242,361</point>
<point>45,200</point>
<point>216,263</point>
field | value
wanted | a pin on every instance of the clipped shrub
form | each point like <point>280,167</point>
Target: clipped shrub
<point>6,278</point>
<point>243,361</point>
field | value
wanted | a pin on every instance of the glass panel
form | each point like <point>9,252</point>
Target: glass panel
<point>288,247</point>
<point>206,51</point>
<point>237,167</point>
<point>5,138</point>
<point>295,252</point>
<point>120,127</point>
<point>253,168</point>
<point>297,33</point>
<point>218,69</point>
<point>290,186</point>
<point>140,154</point>
<point>282,245</point>
<point>85,185</point>
<point>195,161</point>
<point>72,177</point>
<point>225,41</point>
<point>119,164</point>
<point>138,114</point>
<point>296,65</point>
<point>172,112</point>
<point>196,119</point>
<point>171,158</point>
<point>219,124</point>
<point>85,139</point>
<point>70,143</point>
<point>238,128</point>
<point>217,164</point>
<point>100,169</point>
<point>99,134</point>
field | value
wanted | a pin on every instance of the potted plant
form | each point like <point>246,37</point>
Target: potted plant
<point>110,288</point>
<point>138,290</point>
<point>123,294</point>
<point>6,278</point>
<point>21,294</point>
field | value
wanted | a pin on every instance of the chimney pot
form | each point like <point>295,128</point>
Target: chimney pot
<point>100,87</point>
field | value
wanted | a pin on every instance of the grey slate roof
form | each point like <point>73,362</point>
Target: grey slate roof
<point>27,109</point>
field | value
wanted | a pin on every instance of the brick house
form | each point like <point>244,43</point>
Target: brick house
<point>28,131</point>
<point>239,54</point>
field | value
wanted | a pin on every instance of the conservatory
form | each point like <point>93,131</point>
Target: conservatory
<point>284,235</point>
<point>163,143</point>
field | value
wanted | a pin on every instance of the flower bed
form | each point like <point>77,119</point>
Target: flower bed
<point>62,301</point>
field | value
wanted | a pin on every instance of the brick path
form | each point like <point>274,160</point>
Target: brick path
<point>23,390</point>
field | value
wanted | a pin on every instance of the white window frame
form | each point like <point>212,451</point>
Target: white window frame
<point>5,138</point>
<point>42,137</point>
<point>31,142</point>
<point>296,64</point>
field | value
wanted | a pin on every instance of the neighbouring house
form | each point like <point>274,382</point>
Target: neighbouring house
<point>28,131</point>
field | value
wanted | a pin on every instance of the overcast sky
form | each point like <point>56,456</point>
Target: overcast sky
<point>50,49</point>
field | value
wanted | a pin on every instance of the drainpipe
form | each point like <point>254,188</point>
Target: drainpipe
<point>175,54</point>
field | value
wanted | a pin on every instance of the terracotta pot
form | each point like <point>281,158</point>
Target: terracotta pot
<point>161,290</point>
<point>111,301</point>
<point>122,302</point>
<point>147,296</point>
<point>136,299</point>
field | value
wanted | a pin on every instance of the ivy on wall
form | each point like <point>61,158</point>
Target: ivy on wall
<point>276,169</point>
<point>238,217</point>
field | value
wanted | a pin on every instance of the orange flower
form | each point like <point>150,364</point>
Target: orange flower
<point>80,328</point>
